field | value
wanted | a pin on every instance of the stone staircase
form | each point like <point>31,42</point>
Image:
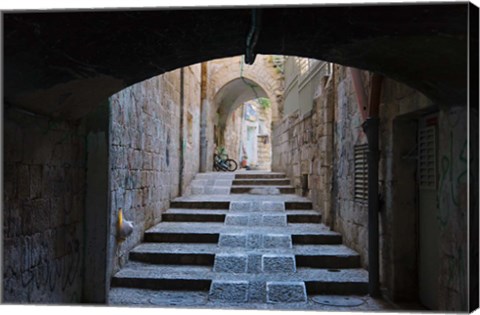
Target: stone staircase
<point>261,184</point>
<point>264,155</point>
<point>246,247</point>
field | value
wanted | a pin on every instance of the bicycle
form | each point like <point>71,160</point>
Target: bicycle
<point>224,164</point>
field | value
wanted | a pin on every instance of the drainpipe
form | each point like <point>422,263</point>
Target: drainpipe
<point>370,127</point>
<point>359,91</point>
<point>181,164</point>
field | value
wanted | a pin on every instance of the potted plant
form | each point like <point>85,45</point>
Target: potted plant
<point>244,162</point>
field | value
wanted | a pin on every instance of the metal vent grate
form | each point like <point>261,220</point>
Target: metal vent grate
<point>361,172</point>
<point>426,158</point>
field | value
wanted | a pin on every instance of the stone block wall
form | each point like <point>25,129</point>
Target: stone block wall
<point>145,151</point>
<point>222,71</point>
<point>336,122</point>
<point>452,209</point>
<point>191,143</point>
<point>302,148</point>
<point>233,134</point>
<point>350,215</point>
<point>44,192</point>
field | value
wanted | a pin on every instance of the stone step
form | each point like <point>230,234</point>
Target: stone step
<point>201,204</point>
<point>316,238</point>
<point>193,217</point>
<point>215,176</point>
<point>271,190</point>
<point>252,175</point>
<point>212,182</point>
<point>298,205</point>
<point>261,182</point>
<point>239,249</point>
<point>165,277</point>
<point>175,277</point>
<point>327,261</point>
<point>218,215</point>
<point>264,247</point>
<point>197,211</point>
<point>337,288</point>
<point>241,291</point>
<point>256,243</point>
<point>303,216</point>
<point>210,190</point>
<point>174,254</point>
<point>305,233</point>
<point>181,237</point>
<point>255,206</point>
<point>266,219</point>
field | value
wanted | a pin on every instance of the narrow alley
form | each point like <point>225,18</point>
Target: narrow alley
<point>274,158</point>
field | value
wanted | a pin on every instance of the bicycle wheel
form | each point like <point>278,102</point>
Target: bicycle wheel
<point>232,165</point>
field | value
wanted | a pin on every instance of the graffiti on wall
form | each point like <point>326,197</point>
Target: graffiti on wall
<point>452,209</point>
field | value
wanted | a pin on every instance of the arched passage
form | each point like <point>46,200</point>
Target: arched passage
<point>236,133</point>
<point>47,72</point>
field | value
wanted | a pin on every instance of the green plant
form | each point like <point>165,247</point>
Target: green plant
<point>264,102</point>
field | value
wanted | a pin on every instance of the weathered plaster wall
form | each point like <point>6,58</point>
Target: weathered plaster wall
<point>44,194</point>
<point>145,151</point>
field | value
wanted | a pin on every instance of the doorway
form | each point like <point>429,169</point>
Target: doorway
<point>428,225</point>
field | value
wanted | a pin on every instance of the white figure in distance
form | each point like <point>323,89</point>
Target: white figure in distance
<point>124,227</point>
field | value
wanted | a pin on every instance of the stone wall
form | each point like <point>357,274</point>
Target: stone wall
<point>44,193</point>
<point>299,149</point>
<point>145,151</point>
<point>263,74</point>
<point>302,148</point>
<point>400,110</point>
<point>191,143</point>
<point>235,136</point>
<point>452,209</point>
<point>264,141</point>
<point>350,216</point>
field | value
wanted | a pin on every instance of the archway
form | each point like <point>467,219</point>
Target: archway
<point>423,46</point>
<point>48,73</point>
<point>242,121</point>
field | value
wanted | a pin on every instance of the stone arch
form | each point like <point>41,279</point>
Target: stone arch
<point>258,80</point>
<point>63,64</point>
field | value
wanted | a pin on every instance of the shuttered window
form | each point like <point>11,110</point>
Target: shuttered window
<point>361,172</point>
<point>426,158</point>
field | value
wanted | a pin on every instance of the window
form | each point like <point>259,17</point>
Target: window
<point>361,172</point>
<point>262,128</point>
